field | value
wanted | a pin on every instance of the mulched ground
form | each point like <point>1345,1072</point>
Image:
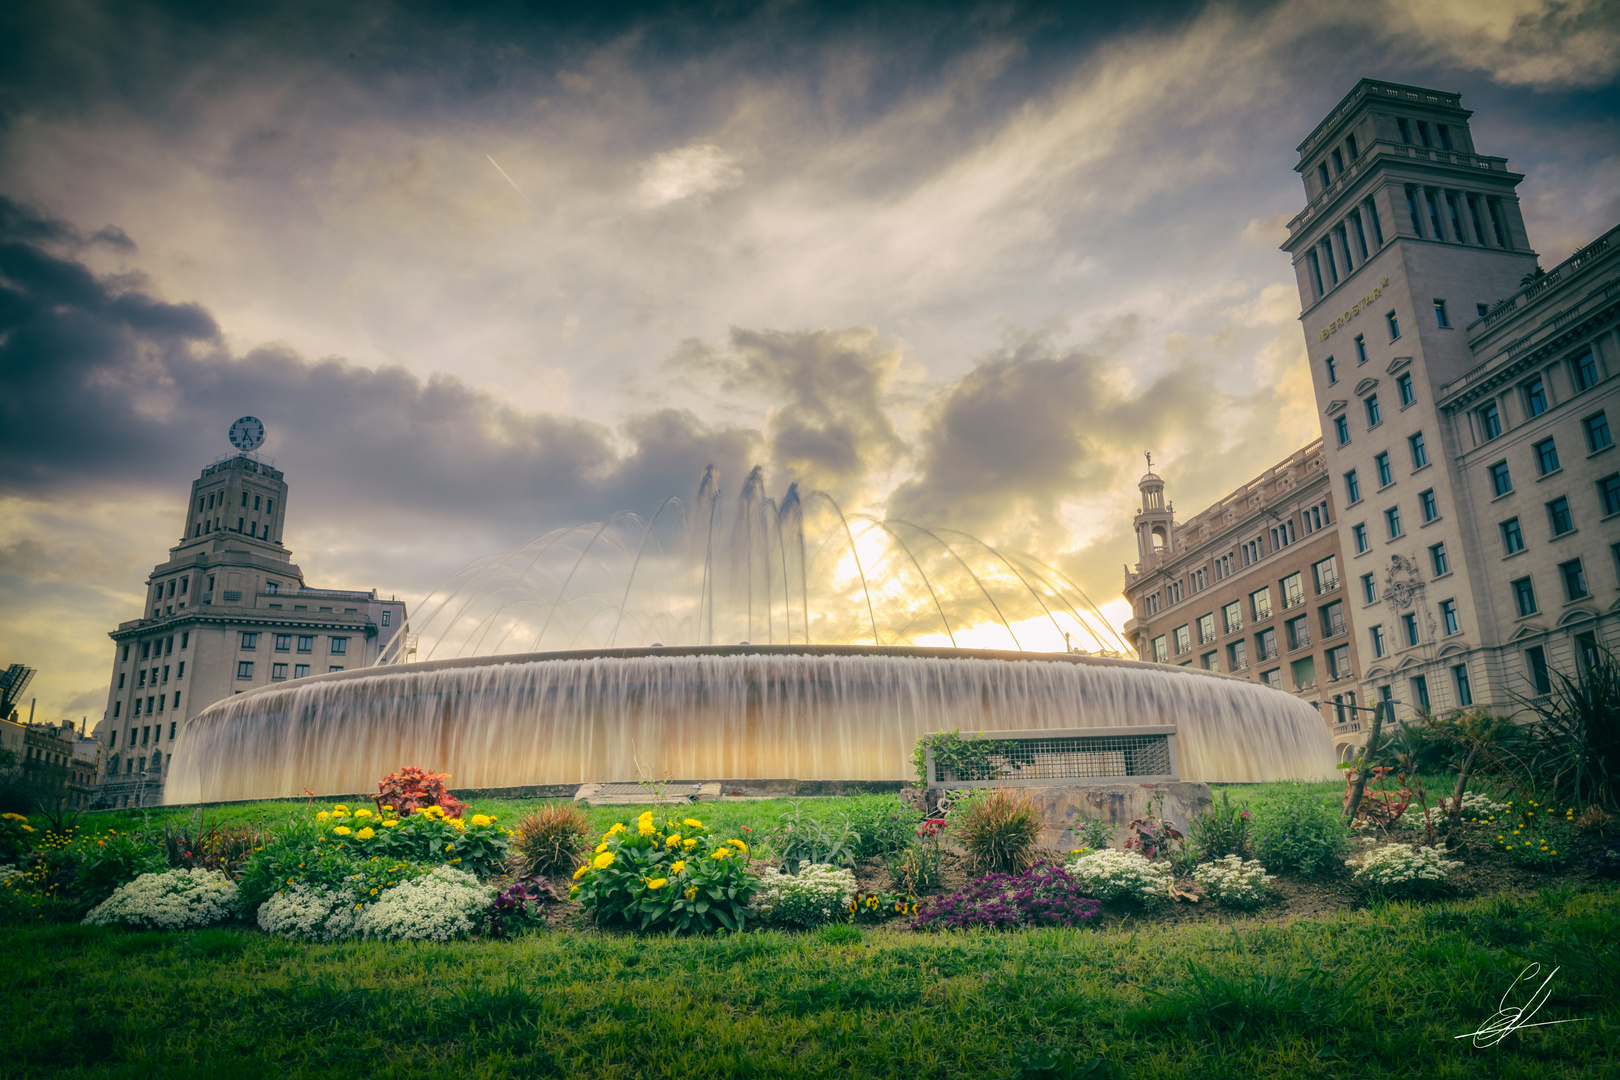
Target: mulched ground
<point>1485,871</point>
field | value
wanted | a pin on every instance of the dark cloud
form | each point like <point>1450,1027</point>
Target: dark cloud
<point>106,385</point>
<point>832,429</point>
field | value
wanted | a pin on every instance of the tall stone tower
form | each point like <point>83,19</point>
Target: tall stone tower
<point>1446,387</point>
<point>228,611</point>
<point>1155,522</point>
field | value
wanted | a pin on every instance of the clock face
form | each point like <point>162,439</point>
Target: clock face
<point>247,433</point>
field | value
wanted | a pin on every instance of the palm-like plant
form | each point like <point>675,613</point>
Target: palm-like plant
<point>1574,755</point>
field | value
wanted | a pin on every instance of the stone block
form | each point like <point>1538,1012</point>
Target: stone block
<point>1062,808</point>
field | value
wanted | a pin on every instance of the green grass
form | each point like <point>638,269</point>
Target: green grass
<point>1374,993</point>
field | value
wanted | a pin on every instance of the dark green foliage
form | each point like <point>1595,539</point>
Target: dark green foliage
<point>999,832</point>
<point>967,759</point>
<point>798,838</point>
<point>1223,831</point>
<point>548,840</point>
<point>884,823</point>
<point>1297,833</point>
<point>1574,753</point>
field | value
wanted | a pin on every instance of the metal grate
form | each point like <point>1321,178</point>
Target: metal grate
<point>1058,757</point>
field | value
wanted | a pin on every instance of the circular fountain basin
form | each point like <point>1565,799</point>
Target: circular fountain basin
<point>818,712</point>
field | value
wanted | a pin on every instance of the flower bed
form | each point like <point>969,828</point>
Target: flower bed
<point>174,900</point>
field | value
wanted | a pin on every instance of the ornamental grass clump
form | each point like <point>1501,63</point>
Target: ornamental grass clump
<point>817,894</point>
<point>1045,896</point>
<point>1404,870</point>
<point>1000,831</point>
<point>173,900</point>
<point>548,840</point>
<point>1235,883</point>
<point>1121,876</point>
<point>674,877</point>
<point>440,906</point>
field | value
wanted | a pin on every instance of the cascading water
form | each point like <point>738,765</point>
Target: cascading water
<point>848,617</point>
<point>731,713</point>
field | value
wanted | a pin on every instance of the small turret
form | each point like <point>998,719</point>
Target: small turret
<point>1155,522</point>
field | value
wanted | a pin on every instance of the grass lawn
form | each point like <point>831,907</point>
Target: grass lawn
<point>1370,993</point>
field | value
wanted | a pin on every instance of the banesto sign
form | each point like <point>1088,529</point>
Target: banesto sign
<point>1355,309</point>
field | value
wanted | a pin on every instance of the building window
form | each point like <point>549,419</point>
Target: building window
<point>1431,508</point>
<point>1339,663</point>
<point>1558,516</point>
<point>1272,678</point>
<point>1211,660</point>
<point>1411,207</point>
<point>1150,603</point>
<point>1420,452</point>
<point>1161,652</point>
<point>1341,429</point>
<point>1406,135</point>
<point>1224,566</point>
<point>1574,579</point>
<point>1386,475</point>
<point>1409,625</point>
<point>278,671</point>
<point>1609,493</point>
<point>1293,588</point>
<point>1403,388</point>
<point>306,643</point>
<point>1490,421</point>
<point>1358,533</point>
<point>250,640</point>
<point>1392,521</point>
<point>1524,597</point>
<point>1352,487</point>
<point>1206,628</point>
<point>1465,692</point>
<point>1183,635</point>
<point>385,615</point>
<point>1372,219</point>
<point>300,671</point>
<point>1299,633</point>
<point>1448,616</point>
<point>1232,617</point>
<point>117,706</point>
<point>1536,660</point>
<point>180,672</point>
<point>1361,348</point>
<point>1437,559</point>
<point>1535,397</point>
<point>244,669</point>
<point>1316,517</point>
<point>185,640</point>
<point>1394,325</point>
<point>1597,432</point>
<point>1440,314</point>
<point>1586,372</point>
<point>1374,417</point>
<point>340,645</point>
<point>1266,642</point>
<point>1281,537</point>
<point>1326,574</point>
<point>1316,271</point>
<point>1546,456</point>
<point>1420,692</point>
<point>1479,309</point>
<point>1434,207</point>
<point>1333,619</point>
<point>1369,588</point>
<point>283,642</point>
<point>1379,645</point>
<point>1260,604</point>
<point>1322,174</point>
<point>1237,655</point>
<point>1512,537</point>
<point>1501,481</point>
<point>1172,595</point>
<point>1586,650</point>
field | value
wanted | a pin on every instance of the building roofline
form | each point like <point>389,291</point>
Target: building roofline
<point>1383,91</point>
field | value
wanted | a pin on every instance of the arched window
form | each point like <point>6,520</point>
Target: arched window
<point>1158,538</point>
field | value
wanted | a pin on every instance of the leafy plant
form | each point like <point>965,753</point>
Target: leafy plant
<point>519,907</point>
<point>798,839</point>
<point>1045,896</point>
<point>1093,835</point>
<point>403,793</point>
<point>478,844</point>
<point>674,878</point>
<point>1574,753</point>
<point>1297,834</point>
<point>1377,806</point>
<point>1232,882</point>
<point>1150,834</point>
<point>965,759</point>
<point>1000,832</point>
<point>1224,830</point>
<point>1606,863</point>
<point>881,905</point>
<point>1535,835</point>
<point>16,838</point>
<point>916,868</point>
<point>548,840</point>
<point>884,824</point>
<point>443,904</point>
<point>214,847</point>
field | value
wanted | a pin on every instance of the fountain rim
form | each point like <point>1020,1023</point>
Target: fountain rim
<point>920,652</point>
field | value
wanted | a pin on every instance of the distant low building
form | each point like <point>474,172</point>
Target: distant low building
<point>227,612</point>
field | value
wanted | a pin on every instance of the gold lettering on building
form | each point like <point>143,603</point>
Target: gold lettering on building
<point>1355,309</point>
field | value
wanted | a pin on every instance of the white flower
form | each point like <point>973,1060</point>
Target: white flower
<point>443,905</point>
<point>1233,882</point>
<point>311,912</point>
<point>1121,875</point>
<point>173,900</point>
<point>1402,870</point>
<point>817,894</point>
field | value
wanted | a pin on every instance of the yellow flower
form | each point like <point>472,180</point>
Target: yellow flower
<point>480,819</point>
<point>339,806</point>
<point>657,882</point>
<point>603,861</point>
<point>646,816</point>
<point>338,814</point>
<point>322,816</point>
<point>362,812</point>
<point>692,823</point>
<point>673,841</point>
<point>365,834</point>
<point>646,828</point>
<point>449,847</point>
<point>677,866</point>
<point>390,823</point>
<point>688,844</point>
<point>601,847</point>
<point>739,845</point>
<point>691,893</point>
<point>721,853</point>
<point>581,871</point>
<point>618,827</point>
<point>573,891</point>
<point>388,809</point>
<point>342,830</point>
<point>457,822</point>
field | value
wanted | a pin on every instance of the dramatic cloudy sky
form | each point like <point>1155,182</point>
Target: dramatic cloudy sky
<point>483,271</point>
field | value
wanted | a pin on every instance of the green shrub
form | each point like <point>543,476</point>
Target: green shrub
<point>885,824</point>
<point>967,759</point>
<point>1224,830</point>
<point>1232,882</point>
<point>1299,833</point>
<point>1000,831</point>
<point>673,877</point>
<point>817,894</point>
<point>17,838</point>
<point>1535,835</point>
<point>1404,870</point>
<point>548,840</point>
<point>798,839</point>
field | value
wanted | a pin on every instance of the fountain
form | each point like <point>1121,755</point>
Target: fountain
<point>851,634</point>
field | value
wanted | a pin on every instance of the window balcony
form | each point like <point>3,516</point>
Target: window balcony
<point>1350,728</point>
<point>1261,614</point>
<point>1266,654</point>
<point>1206,639</point>
<point>1326,586</point>
<point>1335,628</point>
<point>1343,676</point>
<point>1234,626</point>
<point>1241,665</point>
<point>1293,601</point>
<point>1301,640</point>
